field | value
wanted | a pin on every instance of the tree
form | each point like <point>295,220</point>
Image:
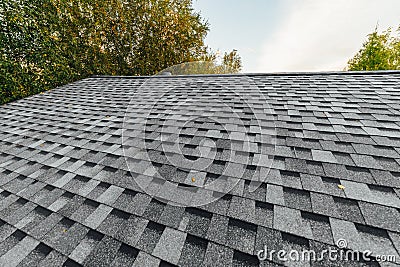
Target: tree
<point>233,60</point>
<point>210,63</point>
<point>380,52</point>
<point>47,43</point>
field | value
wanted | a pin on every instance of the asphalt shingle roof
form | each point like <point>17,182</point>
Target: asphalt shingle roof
<point>109,170</point>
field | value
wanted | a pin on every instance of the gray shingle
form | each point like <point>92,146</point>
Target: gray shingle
<point>154,210</point>
<point>377,241</point>
<point>150,237</point>
<point>264,214</point>
<point>348,209</point>
<point>144,259</point>
<point>171,216</point>
<point>241,236</point>
<point>58,204</point>
<point>380,216</point>
<point>218,228</point>
<point>113,222</point>
<point>347,231</point>
<point>86,246</point>
<point>59,233</point>
<point>88,188</point>
<point>297,199</point>
<point>17,215</point>
<point>322,155</point>
<point>132,229</point>
<point>320,227</point>
<point>14,256</point>
<point>385,178</point>
<point>6,230</point>
<point>193,251</point>
<point>243,259</point>
<point>126,256</point>
<point>290,220</point>
<point>270,238</point>
<point>54,258</point>
<point>217,255</point>
<point>98,216</point>
<point>110,195</point>
<point>242,209</point>
<point>104,253</point>
<point>365,161</point>
<point>11,241</point>
<point>170,245</point>
<point>275,194</point>
<point>71,206</point>
<point>45,226</point>
<point>198,221</point>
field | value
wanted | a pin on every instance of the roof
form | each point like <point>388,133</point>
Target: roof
<point>113,170</point>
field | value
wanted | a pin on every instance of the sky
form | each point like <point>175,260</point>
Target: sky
<point>295,35</point>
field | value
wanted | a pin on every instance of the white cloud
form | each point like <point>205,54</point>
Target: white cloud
<point>324,34</point>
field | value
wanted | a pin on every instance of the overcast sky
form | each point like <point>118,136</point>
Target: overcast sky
<point>295,35</point>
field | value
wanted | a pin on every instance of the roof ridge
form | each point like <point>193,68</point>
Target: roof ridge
<point>380,72</point>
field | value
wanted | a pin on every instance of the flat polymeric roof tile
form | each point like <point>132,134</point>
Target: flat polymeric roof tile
<point>298,199</point>
<point>19,252</point>
<point>91,174</point>
<point>20,213</point>
<point>290,220</point>
<point>241,236</point>
<point>217,230</point>
<point>372,236</point>
<point>275,195</point>
<point>172,216</point>
<point>110,195</point>
<point>71,205</point>
<point>6,230</point>
<point>86,246</point>
<point>150,237</point>
<point>320,227</point>
<point>217,255</point>
<point>115,220</point>
<point>193,251</point>
<point>264,214</point>
<point>198,221</point>
<point>144,259</point>
<point>324,156</point>
<point>36,255</point>
<point>45,226</point>
<point>132,230</point>
<point>104,253</point>
<point>170,245</point>
<point>126,256</point>
<point>380,216</point>
<point>34,219</point>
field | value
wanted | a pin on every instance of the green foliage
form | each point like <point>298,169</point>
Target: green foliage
<point>47,43</point>
<point>379,52</point>
<point>233,61</point>
<point>209,63</point>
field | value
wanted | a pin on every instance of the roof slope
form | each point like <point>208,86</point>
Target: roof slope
<point>67,195</point>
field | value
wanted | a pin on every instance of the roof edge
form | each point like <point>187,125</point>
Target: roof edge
<point>380,72</point>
